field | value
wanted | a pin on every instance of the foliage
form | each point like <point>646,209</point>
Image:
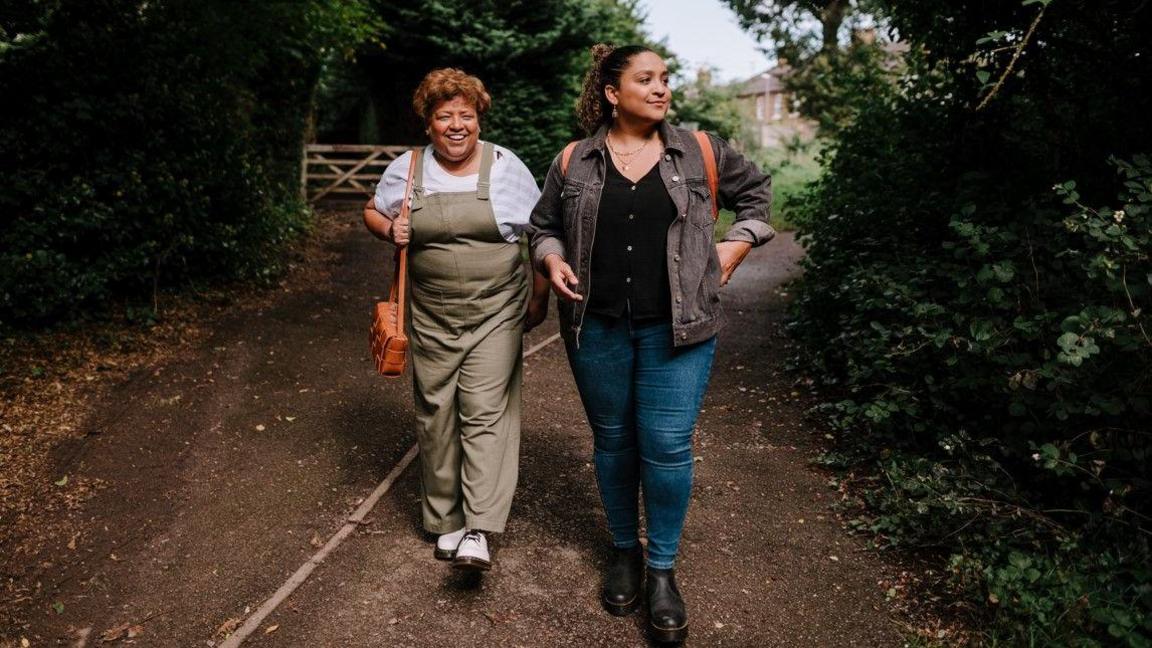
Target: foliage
<point>827,84</point>
<point>789,25</point>
<point>984,319</point>
<point>829,69</point>
<point>151,143</point>
<point>794,167</point>
<point>711,108</point>
<point>531,55</point>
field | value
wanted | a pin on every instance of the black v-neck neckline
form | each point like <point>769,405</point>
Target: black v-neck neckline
<point>620,174</point>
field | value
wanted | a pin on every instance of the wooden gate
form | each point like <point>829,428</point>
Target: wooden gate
<point>342,169</point>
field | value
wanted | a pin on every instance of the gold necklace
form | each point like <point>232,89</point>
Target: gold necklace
<point>625,158</point>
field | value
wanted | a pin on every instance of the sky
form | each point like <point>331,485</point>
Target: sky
<point>705,32</point>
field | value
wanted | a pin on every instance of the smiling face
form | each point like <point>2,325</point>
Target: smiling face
<point>454,129</point>
<point>643,93</point>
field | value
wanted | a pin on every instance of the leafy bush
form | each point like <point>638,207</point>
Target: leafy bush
<point>985,321</point>
<point>152,144</point>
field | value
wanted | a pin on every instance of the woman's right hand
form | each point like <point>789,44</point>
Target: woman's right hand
<point>389,229</point>
<point>401,232</point>
<point>562,278</point>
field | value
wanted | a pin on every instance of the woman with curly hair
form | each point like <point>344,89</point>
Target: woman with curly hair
<point>624,233</point>
<point>469,307</point>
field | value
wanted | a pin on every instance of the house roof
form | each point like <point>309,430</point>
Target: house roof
<point>766,82</point>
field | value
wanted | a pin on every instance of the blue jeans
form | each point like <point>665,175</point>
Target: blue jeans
<point>641,396</point>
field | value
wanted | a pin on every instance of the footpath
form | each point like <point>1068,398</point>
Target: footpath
<point>224,471</point>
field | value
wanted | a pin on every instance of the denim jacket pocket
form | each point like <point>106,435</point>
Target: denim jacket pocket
<point>700,206</point>
<point>570,201</point>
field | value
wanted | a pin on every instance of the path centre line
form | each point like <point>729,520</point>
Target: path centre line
<point>356,519</point>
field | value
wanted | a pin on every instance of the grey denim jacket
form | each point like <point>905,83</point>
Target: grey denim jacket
<point>564,223</point>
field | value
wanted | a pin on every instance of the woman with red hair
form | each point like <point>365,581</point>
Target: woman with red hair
<point>469,306</point>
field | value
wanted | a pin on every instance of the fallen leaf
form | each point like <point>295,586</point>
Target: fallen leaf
<point>270,629</point>
<point>228,627</point>
<point>289,418</point>
<point>72,542</point>
<point>260,428</point>
<point>316,541</point>
<point>24,643</point>
<point>59,607</point>
<point>135,631</point>
<point>114,633</point>
<point>62,481</point>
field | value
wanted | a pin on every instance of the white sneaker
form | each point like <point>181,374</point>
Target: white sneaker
<point>472,553</point>
<point>446,545</point>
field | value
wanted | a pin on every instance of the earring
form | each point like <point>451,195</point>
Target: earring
<point>614,113</point>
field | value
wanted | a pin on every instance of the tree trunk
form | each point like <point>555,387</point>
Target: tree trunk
<point>831,17</point>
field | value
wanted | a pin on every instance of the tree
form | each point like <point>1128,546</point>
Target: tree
<point>153,143</point>
<point>790,23</point>
<point>830,70</point>
<point>712,108</point>
<point>531,54</point>
<point>976,302</point>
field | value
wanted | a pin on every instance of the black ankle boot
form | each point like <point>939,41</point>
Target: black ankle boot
<point>667,619</point>
<point>621,595</point>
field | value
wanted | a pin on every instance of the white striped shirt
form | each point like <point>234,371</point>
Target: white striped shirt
<point>514,192</point>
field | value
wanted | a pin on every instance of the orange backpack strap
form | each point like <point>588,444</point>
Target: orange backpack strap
<point>710,169</point>
<point>565,156</point>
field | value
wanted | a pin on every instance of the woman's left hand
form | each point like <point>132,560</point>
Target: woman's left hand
<point>537,312</point>
<point>731,254</point>
<point>538,302</point>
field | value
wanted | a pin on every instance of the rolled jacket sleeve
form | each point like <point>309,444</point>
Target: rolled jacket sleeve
<point>746,190</point>
<point>546,225</point>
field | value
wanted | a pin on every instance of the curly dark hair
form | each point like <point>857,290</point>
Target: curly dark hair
<point>446,84</point>
<point>608,63</point>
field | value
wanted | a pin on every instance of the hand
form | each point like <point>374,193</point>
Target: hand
<point>561,277</point>
<point>537,312</point>
<point>731,254</point>
<point>401,232</point>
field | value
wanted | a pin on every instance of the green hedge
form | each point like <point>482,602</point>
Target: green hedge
<point>151,144</point>
<point>977,291</point>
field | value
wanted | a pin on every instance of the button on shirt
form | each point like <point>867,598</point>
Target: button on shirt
<point>629,274</point>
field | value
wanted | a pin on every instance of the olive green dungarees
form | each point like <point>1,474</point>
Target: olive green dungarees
<point>468,293</point>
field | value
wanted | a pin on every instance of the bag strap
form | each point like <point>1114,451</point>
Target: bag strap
<point>565,156</point>
<point>400,278</point>
<point>709,169</point>
<point>705,151</point>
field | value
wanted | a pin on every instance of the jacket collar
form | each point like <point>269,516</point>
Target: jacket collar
<point>669,134</point>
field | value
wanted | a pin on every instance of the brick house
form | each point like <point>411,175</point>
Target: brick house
<point>771,109</point>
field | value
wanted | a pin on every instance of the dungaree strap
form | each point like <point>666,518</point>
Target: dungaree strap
<point>418,182</point>
<point>484,184</point>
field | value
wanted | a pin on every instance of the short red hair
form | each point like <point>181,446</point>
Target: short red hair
<point>446,84</point>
